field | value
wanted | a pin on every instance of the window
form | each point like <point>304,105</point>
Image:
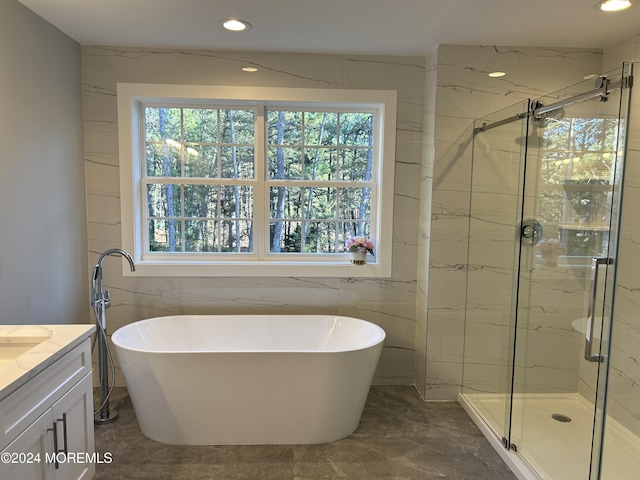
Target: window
<point>255,181</point>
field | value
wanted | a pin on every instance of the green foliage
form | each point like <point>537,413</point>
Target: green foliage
<point>187,144</point>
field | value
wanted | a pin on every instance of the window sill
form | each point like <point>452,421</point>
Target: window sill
<point>147,268</point>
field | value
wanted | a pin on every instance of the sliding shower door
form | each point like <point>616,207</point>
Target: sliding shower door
<point>566,277</point>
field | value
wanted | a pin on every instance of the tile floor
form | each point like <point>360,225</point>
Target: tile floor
<point>400,437</point>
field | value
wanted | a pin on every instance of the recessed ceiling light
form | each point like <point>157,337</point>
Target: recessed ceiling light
<point>613,5</point>
<point>497,74</point>
<point>249,69</point>
<point>235,25</point>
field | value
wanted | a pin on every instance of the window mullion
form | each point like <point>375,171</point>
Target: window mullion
<point>261,227</point>
<point>183,236</point>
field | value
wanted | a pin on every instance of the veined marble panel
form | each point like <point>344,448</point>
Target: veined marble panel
<point>105,65</point>
<point>377,290</point>
<point>405,251</point>
<point>444,353</point>
<point>255,293</point>
<point>421,349</point>
<point>404,74</point>
<point>205,67</point>
<point>398,320</point>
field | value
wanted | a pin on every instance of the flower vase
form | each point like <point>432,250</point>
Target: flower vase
<point>359,256</point>
<point>550,259</point>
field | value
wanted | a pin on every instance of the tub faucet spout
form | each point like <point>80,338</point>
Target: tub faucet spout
<point>98,296</point>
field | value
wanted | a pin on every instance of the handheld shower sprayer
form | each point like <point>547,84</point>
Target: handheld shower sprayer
<point>100,301</point>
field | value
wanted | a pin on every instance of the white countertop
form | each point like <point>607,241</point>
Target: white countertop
<point>26,350</point>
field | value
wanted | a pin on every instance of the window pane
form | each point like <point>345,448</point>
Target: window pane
<point>236,162</point>
<point>355,164</point>
<point>163,200</point>
<point>200,125</point>
<point>355,203</point>
<point>162,123</point>
<point>284,128</point>
<point>236,236</point>
<point>285,236</point>
<point>200,161</point>
<point>200,235</point>
<point>320,163</point>
<point>200,201</point>
<point>237,126</point>
<point>236,201</point>
<point>286,202</point>
<point>356,128</point>
<point>319,237</point>
<point>320,203</point>
<point>285,163</point>
<point>320,128</point>
<point>163,160</point>
<point>165,235</point>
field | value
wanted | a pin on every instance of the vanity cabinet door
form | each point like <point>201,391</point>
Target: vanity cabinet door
<point>74,416</point>
<point>26,457</point>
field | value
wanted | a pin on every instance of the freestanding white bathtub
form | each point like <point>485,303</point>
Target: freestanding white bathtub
<point>248,379</point>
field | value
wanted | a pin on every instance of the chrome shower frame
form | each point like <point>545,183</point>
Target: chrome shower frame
<point>539,111</point>
<point>100,301</point>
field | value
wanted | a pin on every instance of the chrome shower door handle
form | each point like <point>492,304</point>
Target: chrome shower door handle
<point>593,291</point>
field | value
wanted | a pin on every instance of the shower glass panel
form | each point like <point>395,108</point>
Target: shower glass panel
<point>565,282</point>
<point>496,206</point>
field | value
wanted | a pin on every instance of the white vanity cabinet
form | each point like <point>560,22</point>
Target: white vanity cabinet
<point>47,423</point>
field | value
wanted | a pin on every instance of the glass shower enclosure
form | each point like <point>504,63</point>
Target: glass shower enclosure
<point>546,194</point>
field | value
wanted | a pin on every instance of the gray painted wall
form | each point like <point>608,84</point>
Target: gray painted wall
<point>43,233</point>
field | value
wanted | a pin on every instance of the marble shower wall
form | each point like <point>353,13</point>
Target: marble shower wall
<point>464,92</point>
<point>388,302</point>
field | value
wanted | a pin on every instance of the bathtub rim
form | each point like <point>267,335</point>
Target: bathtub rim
<point>380,337</point>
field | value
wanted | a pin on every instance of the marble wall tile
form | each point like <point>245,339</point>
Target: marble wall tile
<point>203,67</point>
<point>398,321</point>
<point>104,66</point>
<point>277,294</point>
<point>420,375</point>
<point>487,350</point>
<point>377,290</point>
<point>404,74</point>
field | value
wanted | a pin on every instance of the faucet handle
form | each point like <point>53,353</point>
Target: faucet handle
<point>106,299</point>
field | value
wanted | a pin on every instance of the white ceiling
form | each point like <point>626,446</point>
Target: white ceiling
<point>399,27</point>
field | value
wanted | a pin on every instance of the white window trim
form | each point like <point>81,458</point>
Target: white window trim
<point>129,96</point>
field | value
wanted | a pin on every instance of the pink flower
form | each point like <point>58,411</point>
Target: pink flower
<point>353,243</point>
<point>548,246</point>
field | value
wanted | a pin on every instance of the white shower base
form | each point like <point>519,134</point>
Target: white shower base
<point>549,449</point>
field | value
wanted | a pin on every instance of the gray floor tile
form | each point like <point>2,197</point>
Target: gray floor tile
<point>400,437</point>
